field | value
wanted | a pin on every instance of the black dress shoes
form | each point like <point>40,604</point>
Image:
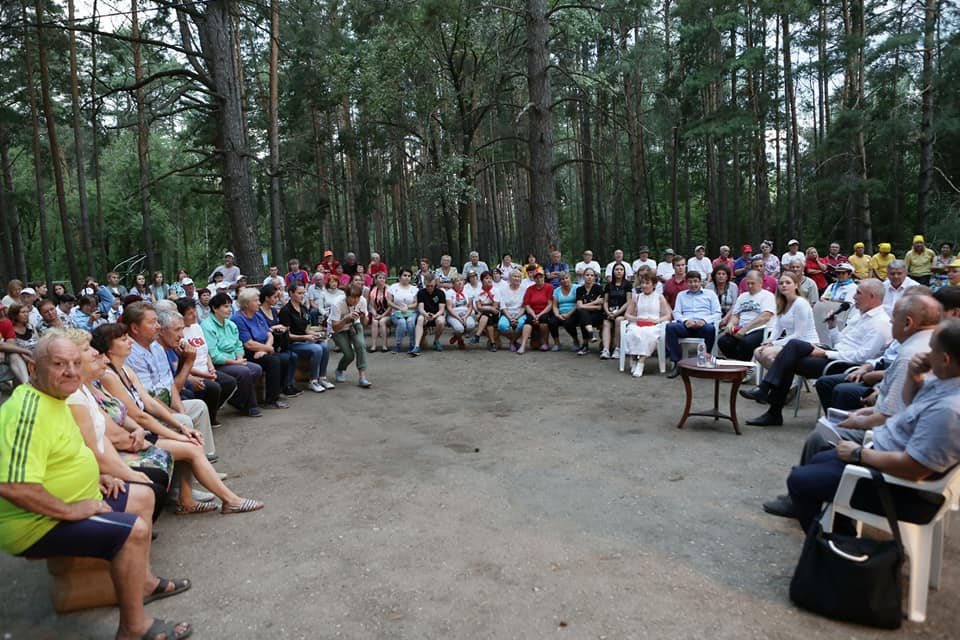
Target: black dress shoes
<point>757,394</point>
<point>769,419</point>
<point>674,372</point>
<point>782,506</point>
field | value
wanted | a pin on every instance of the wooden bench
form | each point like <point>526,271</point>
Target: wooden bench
<point>80,583</point>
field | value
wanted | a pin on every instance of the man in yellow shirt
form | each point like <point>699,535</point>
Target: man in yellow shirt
<point>50,499</point>
<point>860,262</point>
<point>880,261</point>
<point>920,261</point>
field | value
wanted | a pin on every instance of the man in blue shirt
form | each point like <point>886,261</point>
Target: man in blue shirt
<point>556,268</point>
<point>918,442</point>
<point>742,264</point>
<point>695,314</point>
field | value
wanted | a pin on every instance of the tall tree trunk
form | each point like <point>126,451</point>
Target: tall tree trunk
<point>794,206</point>
<point>56,159</point>
<point>16,257</point>
<point>926,114</point>
<point>85,232</point>
<point>543,228</point>
<point>143,144</point>
<point>215,27</point>
<point>101,232</point>
<point>276,214</point>
<point>37,161</point>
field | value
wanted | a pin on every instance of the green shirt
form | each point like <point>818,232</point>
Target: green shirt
<point>223,339</point>
<point>41,444</point>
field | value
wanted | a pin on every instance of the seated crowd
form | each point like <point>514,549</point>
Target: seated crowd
<point>145,372</point>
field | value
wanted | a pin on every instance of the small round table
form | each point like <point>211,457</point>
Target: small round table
<point>733,374</point>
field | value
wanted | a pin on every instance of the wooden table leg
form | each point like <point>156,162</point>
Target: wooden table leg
<point>689,390</point>
<point>733,404</point>
<point>716,399</point>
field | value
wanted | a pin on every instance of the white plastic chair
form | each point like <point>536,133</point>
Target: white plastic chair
<point>923,543</point>
<point>661,346</point>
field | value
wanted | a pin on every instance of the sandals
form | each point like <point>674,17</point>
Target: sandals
<point>199,507</point>
<point>246,506</point>
<point>167,629</point>
<point>179,586</point>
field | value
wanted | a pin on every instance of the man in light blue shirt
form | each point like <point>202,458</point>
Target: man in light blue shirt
<point>695,314</point>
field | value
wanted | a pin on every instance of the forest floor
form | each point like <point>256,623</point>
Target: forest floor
<point>488,495</point>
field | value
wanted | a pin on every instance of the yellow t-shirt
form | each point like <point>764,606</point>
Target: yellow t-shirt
<point>879,263</point>
<point>861,266</point>
<point>41,444</point>
<point>919,265</point>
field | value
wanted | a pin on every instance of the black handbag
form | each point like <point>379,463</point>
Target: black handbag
<point>853,579</point>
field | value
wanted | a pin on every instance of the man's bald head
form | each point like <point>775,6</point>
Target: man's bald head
<point>57,363</point>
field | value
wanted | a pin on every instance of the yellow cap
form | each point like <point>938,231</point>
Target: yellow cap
<point>955,263</point>
<point>858,245</point>
<point>884,247</point>
<point>917,239</point>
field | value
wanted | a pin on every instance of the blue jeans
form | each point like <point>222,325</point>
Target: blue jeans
<point>318,354</point>
<point>677,330</point>
<point>406,326</point>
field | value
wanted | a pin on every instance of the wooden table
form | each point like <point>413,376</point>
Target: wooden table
<point>733,374</point>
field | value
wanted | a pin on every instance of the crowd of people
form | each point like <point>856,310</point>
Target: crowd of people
<point>117,385</point>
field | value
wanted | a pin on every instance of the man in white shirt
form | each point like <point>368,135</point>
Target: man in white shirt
<point>665,268</point>
<point>743,329</point>
<point>474,264</point>
<point>617,259</point>
<point>587,263</point>
<point>864,337</point>
<point>793,251</point>
<point>700,263</point>
<point>644,259</point>
<point>896,283</point>
<point>229,270</point>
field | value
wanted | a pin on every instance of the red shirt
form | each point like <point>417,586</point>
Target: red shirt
<point>671,288</point>
<point>729,262</point>
<point>328,267</point>
<point>6,329</point>
<point>538,299</point>
<point>380,267</point>
<point>812,269</point>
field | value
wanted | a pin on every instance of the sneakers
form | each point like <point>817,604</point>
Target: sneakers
<point>414,352</point>
<point>492,348</point>
<point>363,382</point>
<point>584,350</point>
<point>279,403</point>
<point>475,339</point>
<point>604,355</point>
<point>513,346</point>
<point>339,376</point>
<point>437,346</point>
<point>522,349</point>
<point>555,347</point>
<point>254,412</point>
<point>616,354</point>
<point>292,391</point>
<point>544,347</point>
<point>396,348</point>
<point>326,384</point>
<point>316,387</point>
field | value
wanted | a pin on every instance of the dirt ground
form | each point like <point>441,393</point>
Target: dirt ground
<point>485,495</point>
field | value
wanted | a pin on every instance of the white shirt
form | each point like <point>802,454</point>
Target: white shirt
<point>665,271</point>
<point>749,305</point>
<point>864,337</point>
<point>341,310</point>
<point>511,299</point>
<point>608,272</point>
<point>403,296</point>
<point>480,267</point>
<point>703,266</point>
<point>650,262</point>
<point>583,266</point>
<point>788,257</point>
<point>795,323</point>
<point>83,398</point>
<point>194,337</point>
<point>458,307</point>
<point>891,295</point>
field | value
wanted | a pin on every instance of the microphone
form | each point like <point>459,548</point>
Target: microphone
<point>843,307</point>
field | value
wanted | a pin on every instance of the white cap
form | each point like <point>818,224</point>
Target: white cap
<point>87,292</point>
<point>793,241</point>
<point>698,247</point>
<point>186,281</point>
<point>30,291</point>
<point>845,266</point>
<point>229,253</point>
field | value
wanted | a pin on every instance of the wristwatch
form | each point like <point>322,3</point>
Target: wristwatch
<point>858,455</point>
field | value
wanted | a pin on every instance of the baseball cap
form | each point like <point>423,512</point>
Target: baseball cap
<point>955,263</point>
<point>858,245</point>
<point>30,291</point>
<point>746,249</point>
<point>917,239</point>
<point>845,266</point>
<point>186,281</point>
<point>793,241</point>
<point>698,247</point>
<point>229,254</point>
<point>644,249</point>
<point>668,251</point>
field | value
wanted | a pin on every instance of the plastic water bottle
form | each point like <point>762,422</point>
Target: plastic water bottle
<point>701,355</point>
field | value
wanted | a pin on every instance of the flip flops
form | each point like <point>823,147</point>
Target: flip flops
<point>246,506</point>
<point>179,586</point>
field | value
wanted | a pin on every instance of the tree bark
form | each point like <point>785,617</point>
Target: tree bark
<point>85,232</point>
<point>143,144</point>
<point>48,115</point>
<point>543,228</point>
<point>931,9</point>
<point>101,233</point>
<point>273,117</point>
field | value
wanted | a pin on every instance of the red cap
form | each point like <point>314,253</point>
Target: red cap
<point>746,249</point>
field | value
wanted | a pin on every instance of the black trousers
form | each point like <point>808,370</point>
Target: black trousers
<point>834,391</point>
<point>740,348</point>
<point>569,325</point>
<point>215,393</point>
<point>275,372</point>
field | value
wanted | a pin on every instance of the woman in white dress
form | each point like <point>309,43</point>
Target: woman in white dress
<point>646,309</point>
<point>794,319</point>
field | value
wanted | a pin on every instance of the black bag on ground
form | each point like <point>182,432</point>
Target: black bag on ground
<point>852,579</point>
